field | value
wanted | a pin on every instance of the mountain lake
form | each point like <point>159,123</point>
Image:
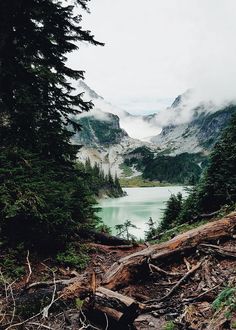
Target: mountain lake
<point>138,206</point>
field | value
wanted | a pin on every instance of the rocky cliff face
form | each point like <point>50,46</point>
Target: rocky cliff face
<point>199,135</point>
<point>106,143</point>
<point>100,132</point>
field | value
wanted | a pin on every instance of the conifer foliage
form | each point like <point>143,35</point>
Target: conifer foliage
<point>42,196</point>
<point>216,189</point>
<point>218,186</point>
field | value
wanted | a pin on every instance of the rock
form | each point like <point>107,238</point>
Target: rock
<point>147,322</point>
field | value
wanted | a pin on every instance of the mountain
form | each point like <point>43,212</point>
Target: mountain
<point>177,153</point>
<point>198,135</point>
<point>101,136</point>
<point>104,131</point>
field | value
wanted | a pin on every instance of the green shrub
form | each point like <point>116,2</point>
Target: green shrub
<point>42,204</point>
<point>226,298</point>
<point>170,326</point>
<point>72,258</point>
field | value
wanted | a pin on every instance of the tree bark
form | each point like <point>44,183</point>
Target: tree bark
<point>132,266</point>
<point>119,308</point>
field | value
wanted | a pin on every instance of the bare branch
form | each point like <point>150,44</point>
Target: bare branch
<point>29,267</point>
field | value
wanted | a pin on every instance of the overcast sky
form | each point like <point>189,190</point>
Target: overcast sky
<point>157,49</point>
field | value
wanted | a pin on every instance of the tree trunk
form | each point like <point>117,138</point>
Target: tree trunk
<point>115,306</point>
<point>132,266</point>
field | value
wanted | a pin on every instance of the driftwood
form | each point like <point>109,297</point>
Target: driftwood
<point>115,306</point>
<point>126,269</point>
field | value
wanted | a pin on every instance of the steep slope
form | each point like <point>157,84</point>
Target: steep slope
<point>100,132</point>
<point>196,135</point>
<point>107,138</point>
<point>103,139</point>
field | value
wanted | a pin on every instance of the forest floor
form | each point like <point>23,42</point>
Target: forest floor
<point>193,290</point>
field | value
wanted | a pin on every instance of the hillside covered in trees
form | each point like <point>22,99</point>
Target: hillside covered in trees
<point>184,168</point>
<point>99,183</point>
<point>214,193</point>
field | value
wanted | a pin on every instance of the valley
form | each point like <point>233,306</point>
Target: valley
<point>176,154</point>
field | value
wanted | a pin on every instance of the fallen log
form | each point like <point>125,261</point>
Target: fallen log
<point>103,238</point>
<point>126,269</point>
<point>205,216</point>
<point>117,307</point>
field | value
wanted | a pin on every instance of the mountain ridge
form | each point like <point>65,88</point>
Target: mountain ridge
<point>105,142</point>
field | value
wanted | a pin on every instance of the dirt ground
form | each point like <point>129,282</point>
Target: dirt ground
<point>189,306</point>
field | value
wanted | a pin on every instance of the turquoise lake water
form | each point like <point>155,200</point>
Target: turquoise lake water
<point>138,206</point>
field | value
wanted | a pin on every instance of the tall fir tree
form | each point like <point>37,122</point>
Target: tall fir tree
<point>43,198</point>
<point>218,186</point>
<point>36,98</point>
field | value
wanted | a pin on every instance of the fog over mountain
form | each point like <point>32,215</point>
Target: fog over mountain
<point>145,64</point>
<point>112,137</point>
<point>143,127</point>
<point>135,125</point>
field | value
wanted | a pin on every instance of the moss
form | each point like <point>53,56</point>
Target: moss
<point>226,298</point>
<point>169,326</point>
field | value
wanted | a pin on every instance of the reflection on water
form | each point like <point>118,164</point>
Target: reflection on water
<point>138,206</point>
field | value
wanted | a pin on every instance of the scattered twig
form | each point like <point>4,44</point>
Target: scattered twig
<point>29,267</point>
<point>85,324</point>
<point>46,309</point>
<point>107,323</point>
<point>162,271</point>
<point>49,283</point>
<point>189,273</point>
<point>215,249</point>
<point>23,322</point>
<point>14,302</point>
<point>202,294</point>
<point>188,265</point>
<point>40,325</point>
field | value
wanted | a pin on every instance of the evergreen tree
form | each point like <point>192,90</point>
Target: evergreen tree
<point>37,206</point>
<point>44,200</point>
<point>171,212</point>
<point>123,230</point>
<point>36,98</point>
<point>218,186</point>
<point>100,183</point>
<point>151,232</point>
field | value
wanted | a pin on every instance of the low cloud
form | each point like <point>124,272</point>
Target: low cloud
<point>193,102</point>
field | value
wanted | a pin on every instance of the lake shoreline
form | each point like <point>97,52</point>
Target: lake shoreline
<point>138,206</point>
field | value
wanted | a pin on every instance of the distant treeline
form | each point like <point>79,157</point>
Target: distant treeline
<point>184,168</point>
<point>99,183</point>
